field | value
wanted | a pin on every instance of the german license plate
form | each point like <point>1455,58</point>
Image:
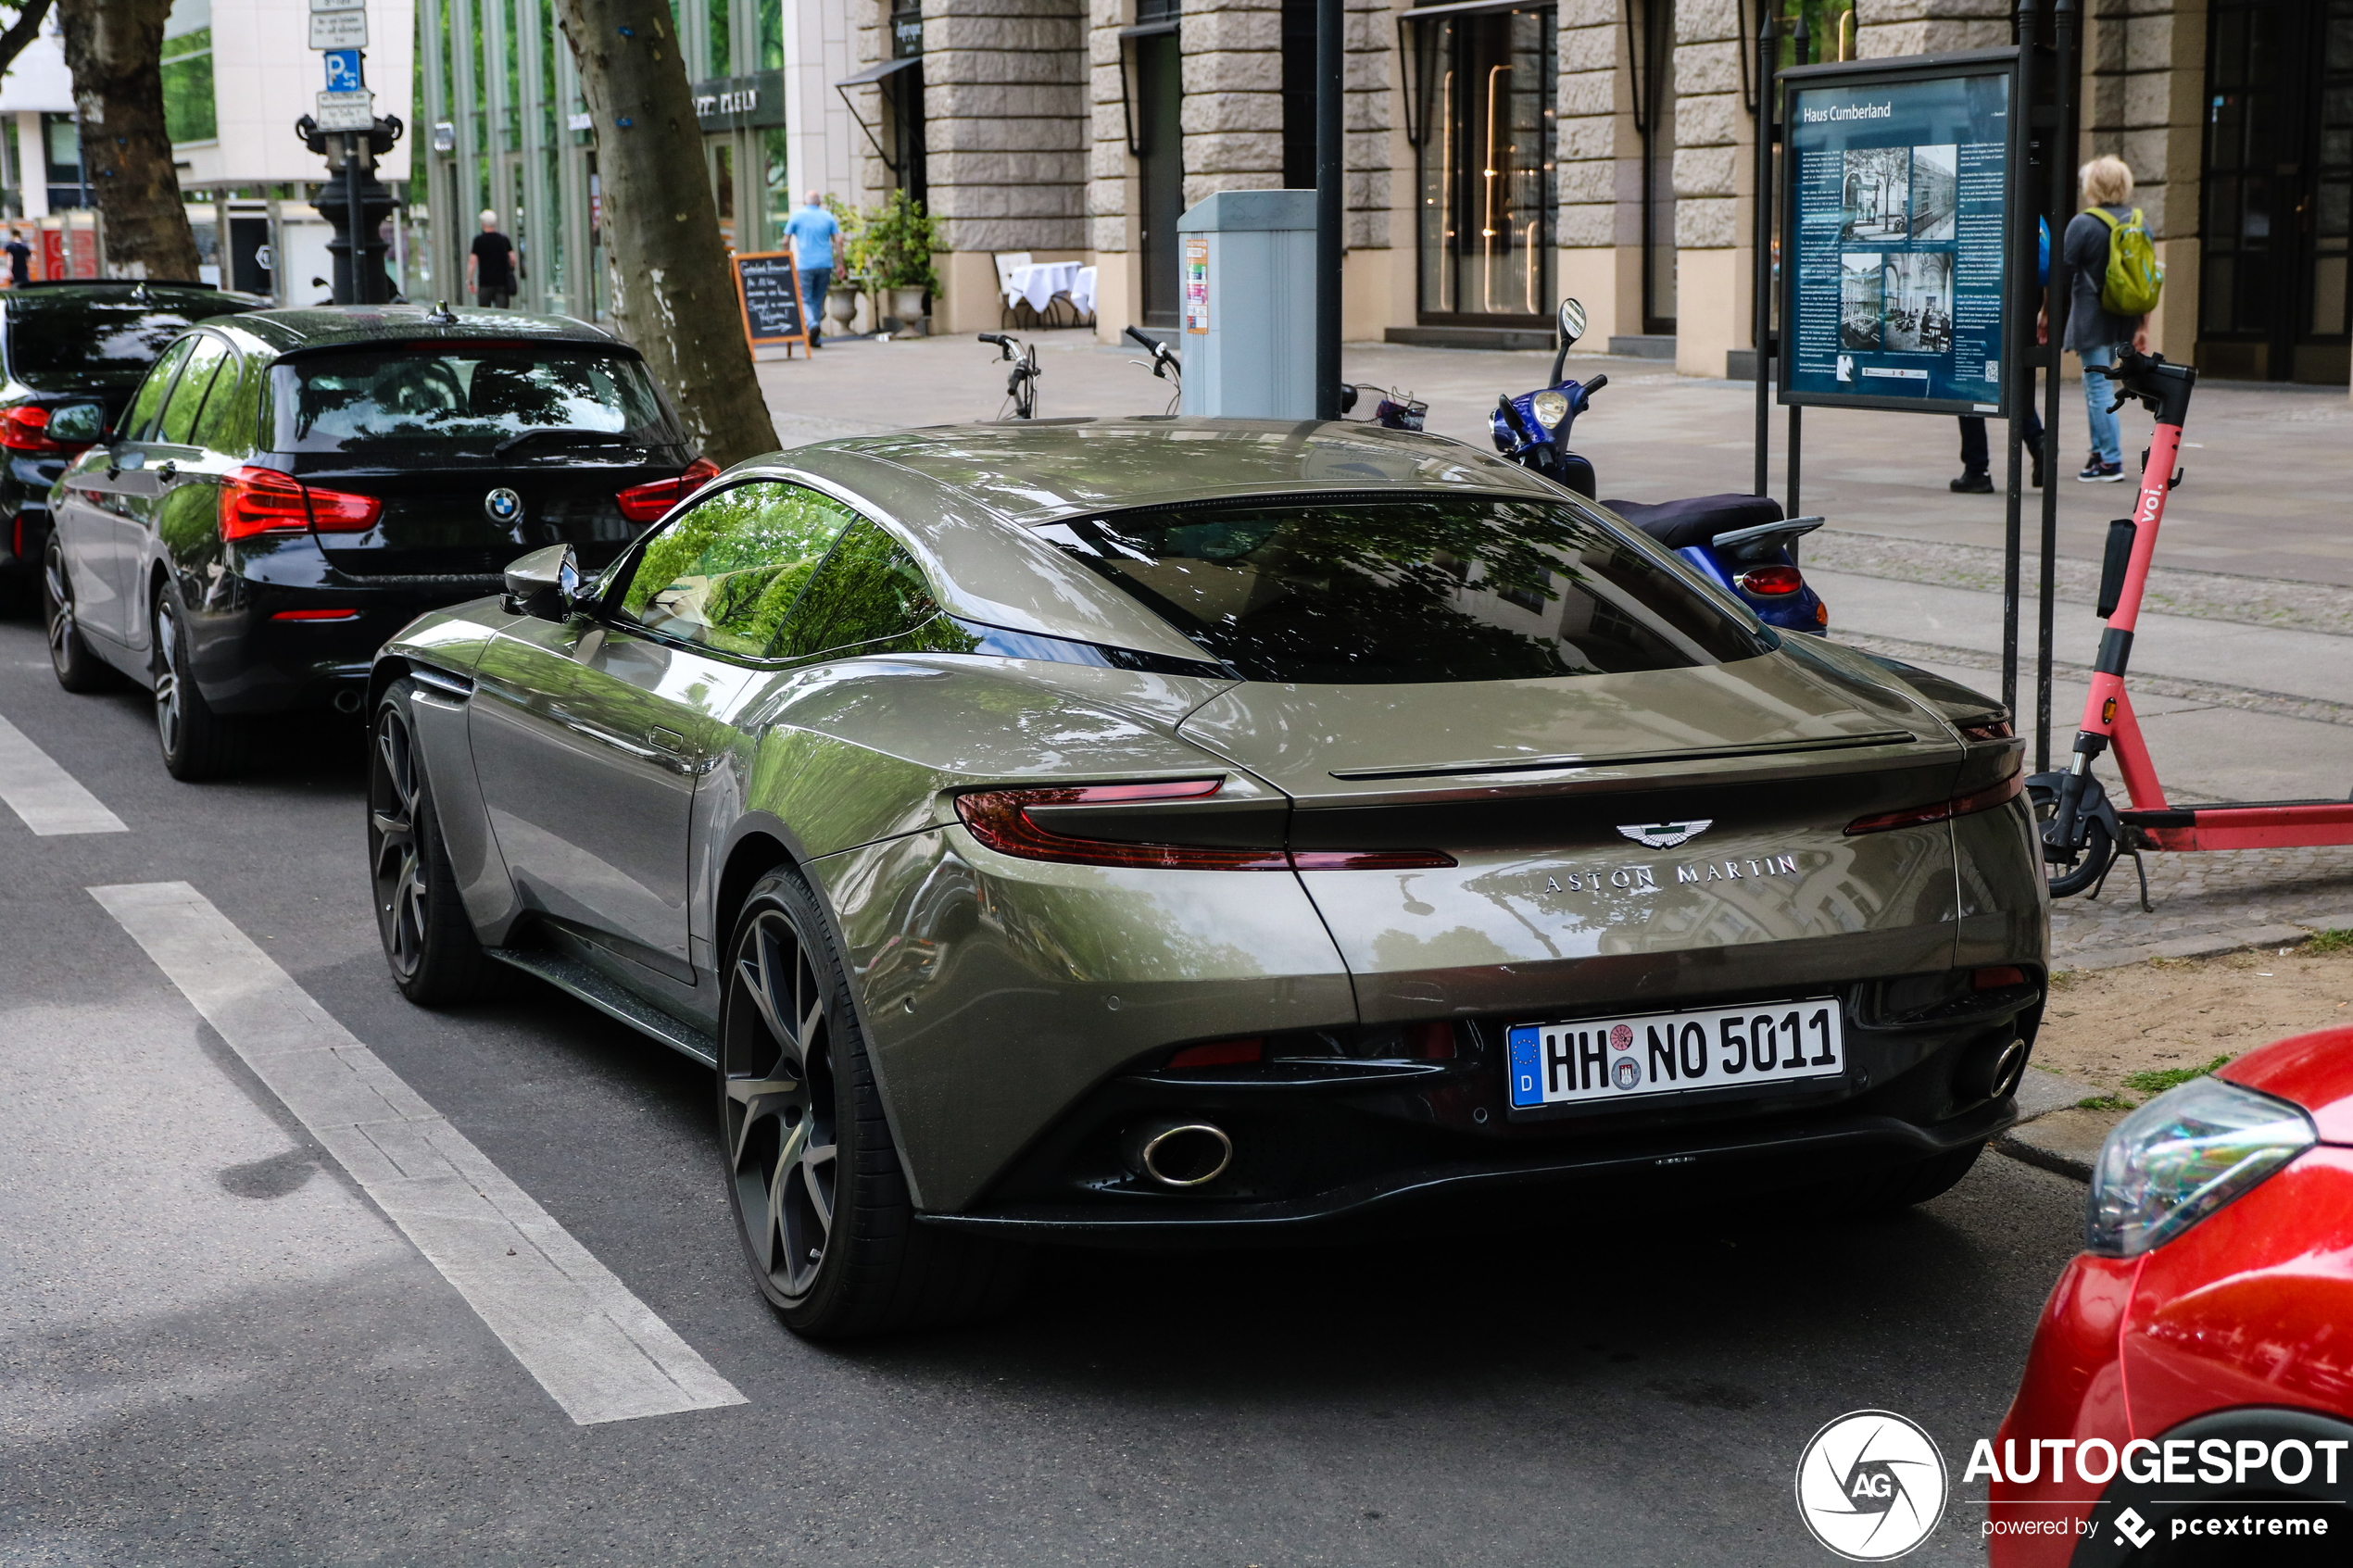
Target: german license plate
<point>1667,1053</point>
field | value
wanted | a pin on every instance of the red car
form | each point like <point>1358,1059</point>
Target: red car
<point>2189,1394</point>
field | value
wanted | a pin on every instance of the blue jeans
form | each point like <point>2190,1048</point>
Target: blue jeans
<point>815,282</point>
<point>2108,438</point>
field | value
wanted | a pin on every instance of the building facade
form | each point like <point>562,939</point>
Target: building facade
<point>1503,153</point>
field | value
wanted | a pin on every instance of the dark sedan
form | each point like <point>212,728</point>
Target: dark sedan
<point>289,488</point>
<point>74,342</point>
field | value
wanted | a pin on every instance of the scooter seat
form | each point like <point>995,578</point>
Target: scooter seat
<point>1698,519</point>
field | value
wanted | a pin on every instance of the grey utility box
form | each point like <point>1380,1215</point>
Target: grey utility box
<point>1248,269</point>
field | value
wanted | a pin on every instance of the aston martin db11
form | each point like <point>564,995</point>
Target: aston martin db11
<point>1178,830</point>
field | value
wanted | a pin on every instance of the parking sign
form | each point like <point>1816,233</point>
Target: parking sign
<point>343,70</point>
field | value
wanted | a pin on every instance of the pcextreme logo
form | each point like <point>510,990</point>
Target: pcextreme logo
<point>1872,1485</point>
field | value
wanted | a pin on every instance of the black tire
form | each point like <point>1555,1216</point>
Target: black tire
<point>1903,1187</point>
<point>2067,878</point>
<point>79,670</point>
<point>820,1202</point>
<point>197,743</point>
<point>430,945</point>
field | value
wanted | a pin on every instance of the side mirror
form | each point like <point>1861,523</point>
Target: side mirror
<point>546,584</point>
<point>77,424</point>
<point>1571,322</point>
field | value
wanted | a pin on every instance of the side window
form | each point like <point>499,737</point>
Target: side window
<point>727,573</point>
<point>869,594</point>
<point>226,424</point>
<point>147,401</point>
<point>180,409</point>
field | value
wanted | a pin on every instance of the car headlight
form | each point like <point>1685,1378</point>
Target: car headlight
<point>2183,1155</point>
<point>1551,408</point>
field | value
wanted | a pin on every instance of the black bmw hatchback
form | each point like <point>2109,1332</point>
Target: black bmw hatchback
<point>288,488</point>
<point>67,343</point>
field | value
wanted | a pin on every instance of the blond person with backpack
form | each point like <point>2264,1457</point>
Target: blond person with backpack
<point>2116,285</point>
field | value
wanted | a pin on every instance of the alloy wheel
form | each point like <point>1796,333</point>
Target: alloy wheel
<point>403,906</point>
<point>777,1064</point>
<point>168,715</point>
<point>62,627</point>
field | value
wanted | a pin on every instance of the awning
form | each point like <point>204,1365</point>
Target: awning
<point>875,73</point>
<point>1149,30</point>
<point>1470,7</point>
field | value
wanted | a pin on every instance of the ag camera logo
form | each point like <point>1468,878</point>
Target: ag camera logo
<point>1872,1485</point>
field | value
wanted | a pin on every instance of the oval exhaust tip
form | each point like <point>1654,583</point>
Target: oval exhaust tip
<point>2008,1068</point>
<point>1186,1154</point>
<point>347,700</point>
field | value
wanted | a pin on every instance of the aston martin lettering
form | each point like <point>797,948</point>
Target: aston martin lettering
<point>1665,836</point>
<point>1639,878</point>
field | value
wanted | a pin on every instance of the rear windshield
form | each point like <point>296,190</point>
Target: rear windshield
<point>479,397</point>
<point>1401,591</point>
<point>87,345</point>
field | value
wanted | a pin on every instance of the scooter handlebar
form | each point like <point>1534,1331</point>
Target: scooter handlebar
<point>1596,384</point>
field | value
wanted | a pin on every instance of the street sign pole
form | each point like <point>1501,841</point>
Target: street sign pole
<point>345,130</point>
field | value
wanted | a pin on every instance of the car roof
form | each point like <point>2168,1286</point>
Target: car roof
<point>82,293</point>
<point>969,498</point>
<point>1034,471</point>
<point>343,326</point>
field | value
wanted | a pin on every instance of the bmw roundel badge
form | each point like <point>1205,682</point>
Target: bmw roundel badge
<point>502,506</point>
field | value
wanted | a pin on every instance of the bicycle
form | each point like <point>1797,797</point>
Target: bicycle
<point>2083,832</point>
<point>1166,363</point>
<point>1021,381</point>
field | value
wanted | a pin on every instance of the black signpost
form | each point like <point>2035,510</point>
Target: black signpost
<point>1907,198</point>
<point>768,287</point>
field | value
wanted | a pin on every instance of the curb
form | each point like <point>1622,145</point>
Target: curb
<point>2066,1145</point>
<point>2212,945</point>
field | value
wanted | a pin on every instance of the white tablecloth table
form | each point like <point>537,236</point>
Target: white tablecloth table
<point>1038,284</point>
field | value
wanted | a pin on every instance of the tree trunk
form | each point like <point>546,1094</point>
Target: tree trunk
<point>115,50</point>
<point>671,291</point>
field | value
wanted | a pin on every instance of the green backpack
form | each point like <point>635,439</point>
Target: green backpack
<point>2134,278</point>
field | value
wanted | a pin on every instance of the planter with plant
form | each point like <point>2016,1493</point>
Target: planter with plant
<point>895,246</point>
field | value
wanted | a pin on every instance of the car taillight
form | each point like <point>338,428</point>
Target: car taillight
<point>1770,582</point>
<point>1001,819</point>
<point>315,615</point>
<point>27,430</point>
<point>1984,799</point>
<point>646,503</point>
<point>1998,978</point>
<point>339,511</point>
<point>254,500</point>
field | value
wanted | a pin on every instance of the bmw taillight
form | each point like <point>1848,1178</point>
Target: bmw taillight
<point>1770,582</point>
<point>257,500</point>
<point>1001,819</point>
<point>646,503</point>
<point>26,429</point>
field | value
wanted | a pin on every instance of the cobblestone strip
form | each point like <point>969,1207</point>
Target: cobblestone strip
<point>2209,595</point>
<point>2286,705</point>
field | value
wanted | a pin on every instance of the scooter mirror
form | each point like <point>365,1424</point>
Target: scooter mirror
<point>1572,321</point>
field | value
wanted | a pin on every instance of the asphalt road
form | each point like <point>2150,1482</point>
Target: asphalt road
<point>214,1347</point>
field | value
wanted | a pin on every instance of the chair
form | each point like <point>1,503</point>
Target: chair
<point>1007,260</point>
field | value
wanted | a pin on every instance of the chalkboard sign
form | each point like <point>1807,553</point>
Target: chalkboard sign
<point>768,285</point>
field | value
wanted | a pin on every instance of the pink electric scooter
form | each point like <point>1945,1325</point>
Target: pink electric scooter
<point>2082,831</point>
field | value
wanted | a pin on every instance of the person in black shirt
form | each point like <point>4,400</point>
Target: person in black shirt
<point>490,266</point>
<point>19,258</point>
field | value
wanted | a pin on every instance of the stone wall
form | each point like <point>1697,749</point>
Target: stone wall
<point>1714,184</point>
<point>1887,28</point>
<point>1005,97</point>
<point>2143,100</point>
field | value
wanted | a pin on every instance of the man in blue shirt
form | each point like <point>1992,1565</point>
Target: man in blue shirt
<point>811,230</point>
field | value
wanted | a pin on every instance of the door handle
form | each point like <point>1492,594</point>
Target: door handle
<point>667,740</point>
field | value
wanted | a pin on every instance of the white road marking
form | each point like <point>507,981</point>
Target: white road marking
<point>45,796</point>
<point>599,1352</point>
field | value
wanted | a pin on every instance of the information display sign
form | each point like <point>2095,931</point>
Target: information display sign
<point>1896,187</point>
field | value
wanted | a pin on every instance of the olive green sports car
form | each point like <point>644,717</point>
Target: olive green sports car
<point>1182,830</point>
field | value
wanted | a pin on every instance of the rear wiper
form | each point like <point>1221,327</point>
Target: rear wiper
<point>578,437</point>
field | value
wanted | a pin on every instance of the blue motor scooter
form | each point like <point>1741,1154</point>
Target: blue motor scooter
<point>1741,541</point>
